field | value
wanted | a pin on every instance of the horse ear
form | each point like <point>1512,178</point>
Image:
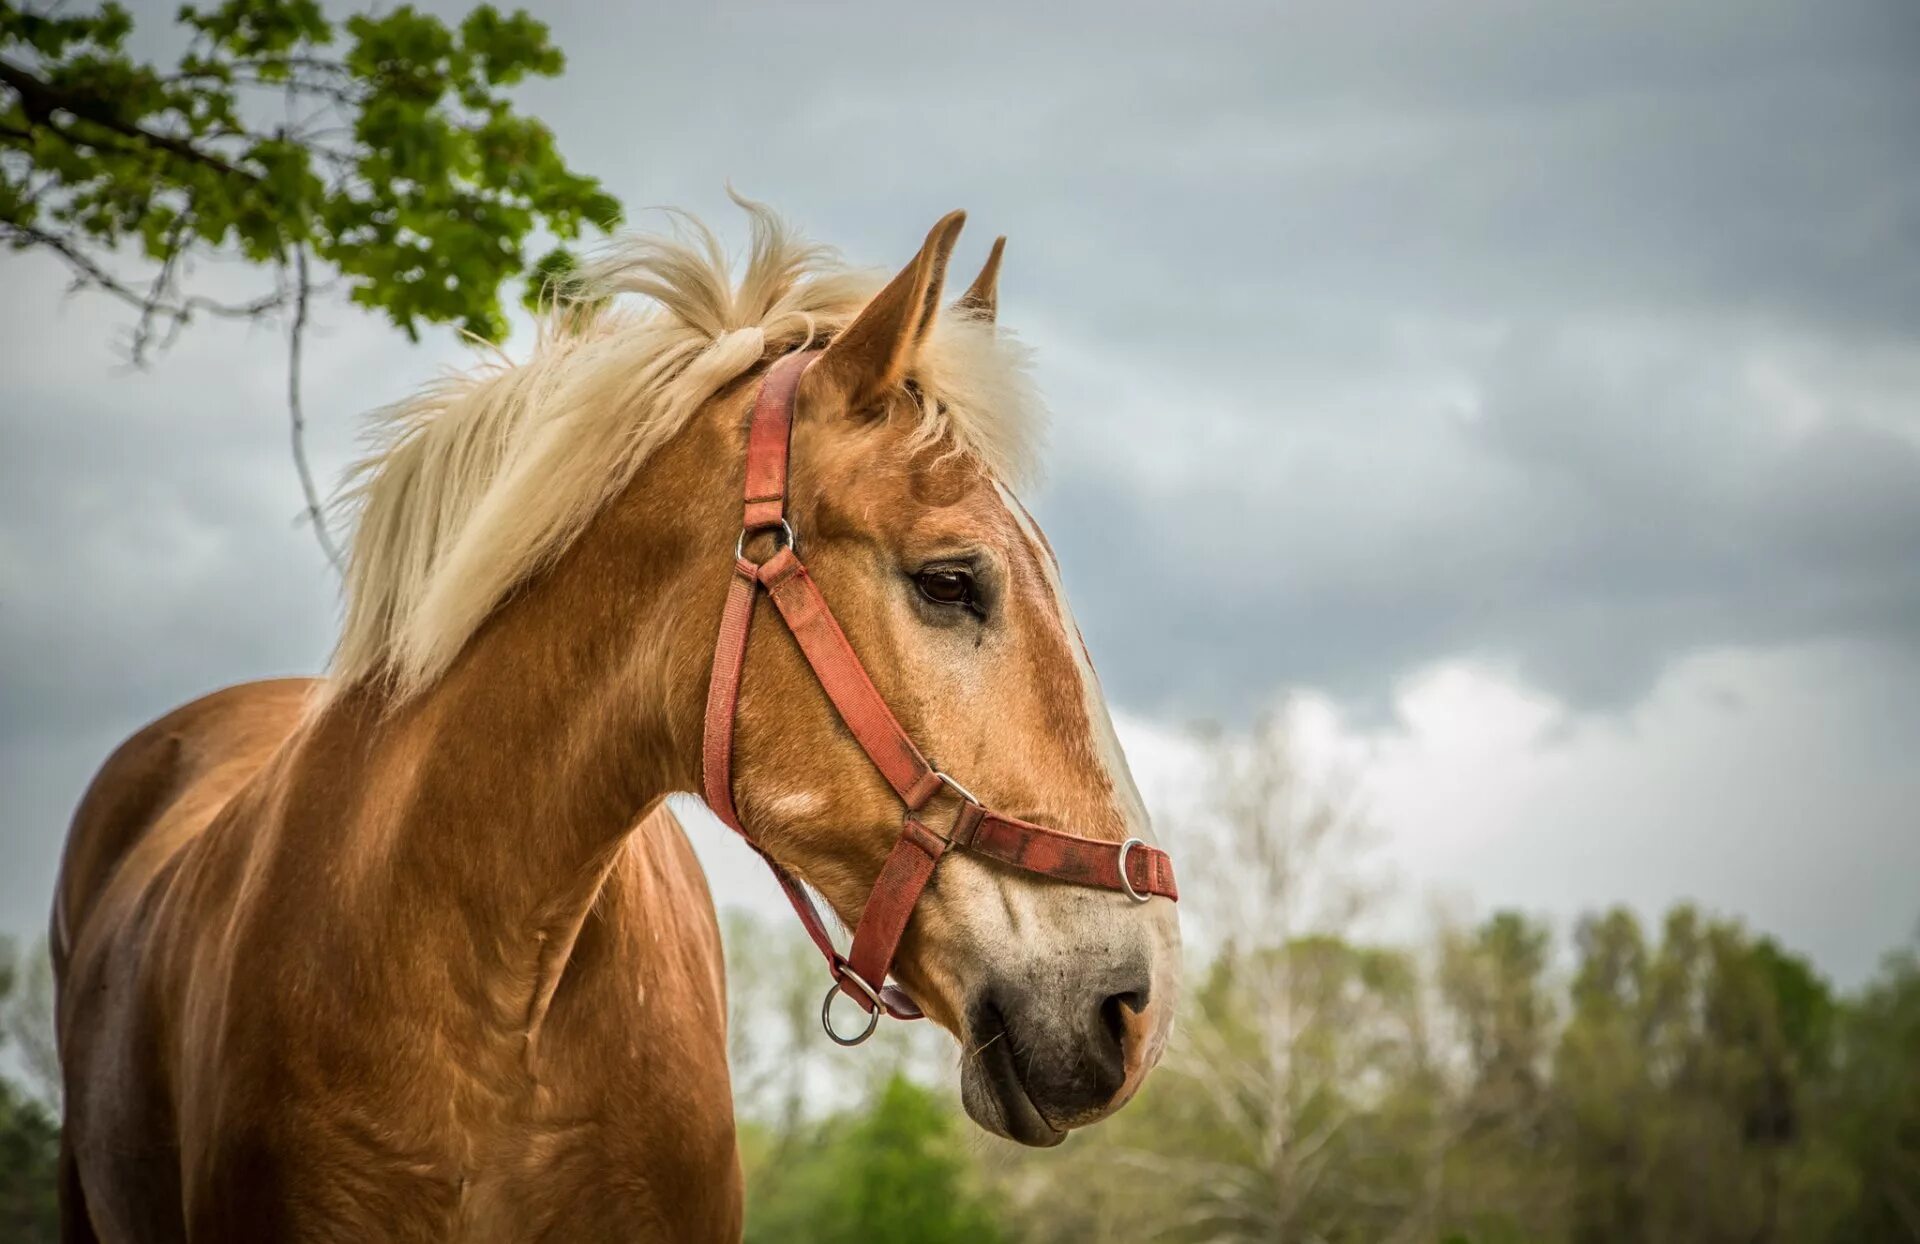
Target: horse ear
<point>982,299</point>
<point>870,357</point>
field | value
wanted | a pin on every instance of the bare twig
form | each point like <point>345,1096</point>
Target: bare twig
<point>153,305</point>
<point>316,513</point>
<point>90,275</point>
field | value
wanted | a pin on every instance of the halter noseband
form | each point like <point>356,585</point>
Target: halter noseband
<point>1132,867</point>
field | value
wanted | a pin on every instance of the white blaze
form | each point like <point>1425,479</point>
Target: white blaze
<point>1099,722</point>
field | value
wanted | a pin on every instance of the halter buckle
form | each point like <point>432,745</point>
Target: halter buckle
<point>841,972</point>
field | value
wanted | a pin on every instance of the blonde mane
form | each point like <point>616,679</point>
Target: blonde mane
<point>477,482</point>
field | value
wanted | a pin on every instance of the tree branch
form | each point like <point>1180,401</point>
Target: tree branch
<point>152,309</point>
<point>40,99</point>
<point>152,304</point>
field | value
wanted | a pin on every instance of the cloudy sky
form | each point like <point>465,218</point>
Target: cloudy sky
<point>1521,397</point>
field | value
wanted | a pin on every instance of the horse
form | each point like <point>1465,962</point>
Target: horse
<point>418,951</point>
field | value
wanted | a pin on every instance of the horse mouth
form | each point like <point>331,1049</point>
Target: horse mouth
<point>991,1088</point>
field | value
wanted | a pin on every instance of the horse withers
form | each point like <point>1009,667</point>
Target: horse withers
<point>419,952</point>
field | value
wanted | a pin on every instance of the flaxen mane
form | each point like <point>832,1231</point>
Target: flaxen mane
<point>479,480</point>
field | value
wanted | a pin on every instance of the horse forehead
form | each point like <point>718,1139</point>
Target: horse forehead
<point>902,516</point>
<point>1048,593</point>
<point>928,491</point>
<point>844,458</point>
<point>1027,538</point>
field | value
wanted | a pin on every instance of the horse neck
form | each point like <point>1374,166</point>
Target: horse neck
<point>500,796</point>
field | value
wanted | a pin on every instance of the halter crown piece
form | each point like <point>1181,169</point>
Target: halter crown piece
<point>1133,867</point>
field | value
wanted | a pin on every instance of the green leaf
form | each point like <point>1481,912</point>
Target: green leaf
<point>425,209</point>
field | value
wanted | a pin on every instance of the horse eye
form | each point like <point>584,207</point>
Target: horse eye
<point>946,586</point>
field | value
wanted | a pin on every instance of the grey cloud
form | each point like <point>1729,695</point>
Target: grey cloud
<point>1609,503</point>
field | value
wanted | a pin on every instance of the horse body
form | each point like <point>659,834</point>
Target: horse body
<point>286,1050</point>
<point>418,953</point>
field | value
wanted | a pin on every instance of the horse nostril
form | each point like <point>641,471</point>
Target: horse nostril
<point>1114,1010</point>
<point>1113,1013</point>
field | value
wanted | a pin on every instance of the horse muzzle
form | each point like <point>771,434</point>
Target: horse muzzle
<point>1045,1056</point>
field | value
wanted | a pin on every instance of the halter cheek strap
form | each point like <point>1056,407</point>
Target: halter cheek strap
<point>1132,867</point>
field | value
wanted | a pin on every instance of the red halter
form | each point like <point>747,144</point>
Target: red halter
<point>1133,867</point>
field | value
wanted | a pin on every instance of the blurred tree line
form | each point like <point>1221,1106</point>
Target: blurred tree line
<point>29,1097</point>
<point>1689,1083</point>
<point>1694,1084</point>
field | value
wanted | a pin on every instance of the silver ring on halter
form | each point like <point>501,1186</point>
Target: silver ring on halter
<point>787,539</point>
<point>1126,883</point>
<point>826,1009</point>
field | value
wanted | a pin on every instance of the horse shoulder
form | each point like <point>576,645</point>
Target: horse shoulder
<point>630,1120</point>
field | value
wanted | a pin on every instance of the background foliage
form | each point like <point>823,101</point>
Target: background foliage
<point>29,1098</point>
<point>1689,1082</point>
<point>383,146</point>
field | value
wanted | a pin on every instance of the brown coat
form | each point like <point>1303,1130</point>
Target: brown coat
<point>372,1077</point>
<point>431,961</point>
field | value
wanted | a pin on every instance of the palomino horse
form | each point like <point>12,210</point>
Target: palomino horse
<point>419,953</point>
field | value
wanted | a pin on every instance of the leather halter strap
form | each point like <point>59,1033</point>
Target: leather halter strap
<point>1134,868</point>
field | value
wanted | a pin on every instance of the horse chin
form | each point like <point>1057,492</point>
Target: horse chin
<point>994,1097</point>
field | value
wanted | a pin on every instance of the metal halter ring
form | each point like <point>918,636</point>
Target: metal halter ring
<point>786,537</point>
<point>826,1009</point>
<point>947,781</point>
<point>1126,883</point>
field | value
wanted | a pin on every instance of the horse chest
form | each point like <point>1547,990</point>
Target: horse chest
<point>631,1162</point>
